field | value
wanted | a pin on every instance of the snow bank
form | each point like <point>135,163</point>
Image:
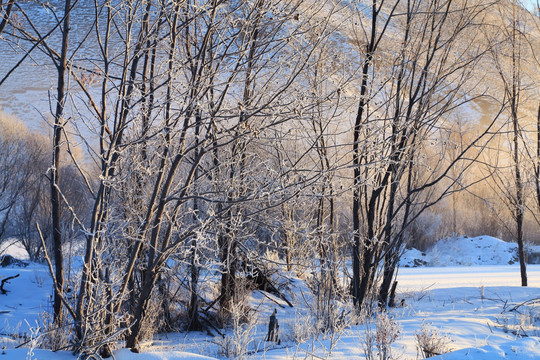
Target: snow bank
<point>14,248</point>
<point>481,250</point>
<point>413,258</point>
<point>463,251</point>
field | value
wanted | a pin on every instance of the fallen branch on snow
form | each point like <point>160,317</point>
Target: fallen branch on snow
<point>4,281</point>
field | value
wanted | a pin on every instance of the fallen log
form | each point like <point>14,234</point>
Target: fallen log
<point>263,283</point>
<point>265,294</point>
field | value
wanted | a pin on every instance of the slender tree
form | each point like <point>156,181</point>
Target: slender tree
<point>58,128</point>
<point>508,55</point>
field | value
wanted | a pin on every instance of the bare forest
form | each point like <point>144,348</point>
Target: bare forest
<point>187,152</point>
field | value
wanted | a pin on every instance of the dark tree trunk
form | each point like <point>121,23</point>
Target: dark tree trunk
<point>54,179</point>
<point>537,165</point>
<point>5,13</point>
<point>194,322</point>
<point>363,251</point>
<point>273,329</point>
<point>140,313</point>
<point>359,285</point>
<point>228,278</point>
<point>388,275</point>
<point>392,299</point>
<point>227,241</point>
<point>519,200</point>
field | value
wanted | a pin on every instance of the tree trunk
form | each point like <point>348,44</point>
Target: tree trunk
<point>358,286</point>
<point>194,322</point>
<point>141,311</point>
<point>388,275</point>
<point>228,278</point>
<point>520,201</point>
<point>5,14</point>
<point>54,179</point>
<point>537,165</point>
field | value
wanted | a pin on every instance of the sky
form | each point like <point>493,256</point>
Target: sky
<point>530,4</point>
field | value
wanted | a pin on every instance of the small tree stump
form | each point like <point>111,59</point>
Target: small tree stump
<point>273,329</point>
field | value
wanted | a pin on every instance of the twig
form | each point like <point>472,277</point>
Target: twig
<point>530,301</point>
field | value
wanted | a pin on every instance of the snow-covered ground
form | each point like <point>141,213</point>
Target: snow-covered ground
<point>481,309</point>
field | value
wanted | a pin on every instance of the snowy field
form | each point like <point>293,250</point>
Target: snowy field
<point>465,276</point>
<point>479,311</point>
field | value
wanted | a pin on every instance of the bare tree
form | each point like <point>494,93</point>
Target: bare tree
<point>398,116</point>
<point>58,126</point>
<point>28,31</point>
<point>511,52</point>
<point>214,132</point>
<point>169,125</point>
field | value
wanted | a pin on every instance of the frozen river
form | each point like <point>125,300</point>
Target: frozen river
<point>29,90</point>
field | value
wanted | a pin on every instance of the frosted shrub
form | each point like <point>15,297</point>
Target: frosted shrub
<point>237,344</point>
<point>52,336</point>
<point>33,342</point>
<point>429,342</point>
<point>304,327</point>
<point>386,332</point>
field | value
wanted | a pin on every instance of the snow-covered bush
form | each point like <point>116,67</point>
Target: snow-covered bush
<point>303,328</point>
<point>429,342</point>
<point>49,335</point>
<point>238,343</point>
